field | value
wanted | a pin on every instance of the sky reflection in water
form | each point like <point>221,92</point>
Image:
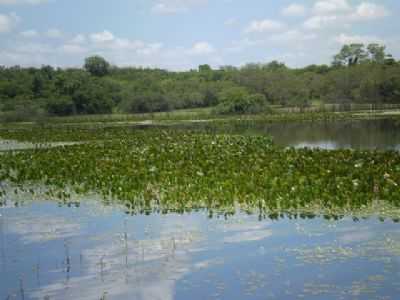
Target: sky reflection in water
<point>381,134</point>
<point>95,251</point>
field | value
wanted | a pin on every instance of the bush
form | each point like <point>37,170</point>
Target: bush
<point>239,101</point>
<point>145,103</point>
<point>22,113</point>
<point>61,106</point>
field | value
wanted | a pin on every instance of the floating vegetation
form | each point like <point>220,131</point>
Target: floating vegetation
<point>324,254</point>
<point>164,171</point>
<point>368,287</point>
<point>381,249</point>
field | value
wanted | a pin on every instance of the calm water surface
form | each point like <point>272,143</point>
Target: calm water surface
<point>99,252</point>
<point>362,134</point>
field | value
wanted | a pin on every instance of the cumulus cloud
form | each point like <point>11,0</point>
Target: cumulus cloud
<point>14,2</point>
<point>293,36</point>
<point>240,45</point>
<point>150,49</point>
<point>294,10</point>
<point>201,48</point>
<point>357,39</point>
<point>79,39</point>
<point>331,13</point>
<point>73,49</point>
<point>8,22</point>
<point>264,26</point>
<point>318,22</point>
<point>369,11</point>
<point>54,33</point>
<point>166,7</point>
<point>101,37</point>
<point>31,33</point>
<point>331,6</point>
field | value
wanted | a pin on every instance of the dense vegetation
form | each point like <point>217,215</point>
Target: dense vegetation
<point>358,74</point>
<point>174,170</point>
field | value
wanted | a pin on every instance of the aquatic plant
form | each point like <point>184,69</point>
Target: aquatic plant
<point>165,170</point>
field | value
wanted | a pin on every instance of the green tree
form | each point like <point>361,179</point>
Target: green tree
<point>377,53</point>
<point>350,55</point>
<point>151,101</point>
<point>204,68</point>
<point>61,106</point>
<point>97,66</point>
<point>37,85</point>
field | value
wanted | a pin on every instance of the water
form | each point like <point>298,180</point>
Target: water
<point>6,145</point>
<point>89,250</point>
<point>93,251</point>
<point>361,134</point>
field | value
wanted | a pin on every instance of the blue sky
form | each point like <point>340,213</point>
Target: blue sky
<point>181,34</point>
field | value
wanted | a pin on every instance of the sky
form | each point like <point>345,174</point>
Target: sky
<point>181,34</point>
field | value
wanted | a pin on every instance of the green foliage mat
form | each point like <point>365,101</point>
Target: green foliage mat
<point>156,170</point>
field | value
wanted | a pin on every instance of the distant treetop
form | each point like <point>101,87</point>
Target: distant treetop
<point>356,53</point>
<point>97,66</point>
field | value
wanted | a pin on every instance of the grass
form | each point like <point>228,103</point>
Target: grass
<point>118,117</point>
<point>162,170</point>
<point>316,112</point>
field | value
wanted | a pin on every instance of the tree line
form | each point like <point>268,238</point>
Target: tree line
<point>358,74</point>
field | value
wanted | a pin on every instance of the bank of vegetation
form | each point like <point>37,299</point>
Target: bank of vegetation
<point>358,75</point>
<point>162,170</point>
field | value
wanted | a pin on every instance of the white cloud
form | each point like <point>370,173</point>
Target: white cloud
<point>319,22</point>
<point>166,7</point>
<point>344,39</point>
<point>294,10</point>
<point>101,37</point>
<point>79,39</point>
<point>128,44</point>
<point>73,49</point>
<point>54,33</point>
<point>39,229</point>
<point>329,13</point>
<point>29,33</point>
<point>8,22</point>
<point>34,48</point>
<point>330,6</point>
<point>369,11</point>
<point>240,45</point>
<point>14,2</point>
<point>293,36</point>
<point>240,231</point>
<point>201,48</point>
<point>150,49</point>
<point>264,26</point>
<point>157,263</point>
<point>249,236</point>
